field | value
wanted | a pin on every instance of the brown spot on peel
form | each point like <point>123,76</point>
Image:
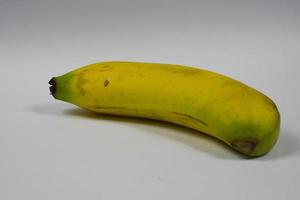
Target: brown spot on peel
<point>106,83</point>
<point>246,146</point>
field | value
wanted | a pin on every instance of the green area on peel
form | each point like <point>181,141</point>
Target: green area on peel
<point>64,87</point>
<point>251,137</point>
<point>269,139</point>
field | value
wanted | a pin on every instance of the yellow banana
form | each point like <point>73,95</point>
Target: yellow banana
<point>217,105</point>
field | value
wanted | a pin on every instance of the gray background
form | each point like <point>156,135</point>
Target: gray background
<point>53,150</point>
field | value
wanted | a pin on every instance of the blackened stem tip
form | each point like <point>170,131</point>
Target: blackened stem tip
<point>52,88</point>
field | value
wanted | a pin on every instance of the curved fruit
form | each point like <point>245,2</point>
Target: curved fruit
<point>224,108</point>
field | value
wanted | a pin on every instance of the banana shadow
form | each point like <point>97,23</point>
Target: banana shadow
<point>286,146</point>
<point>194,139</point>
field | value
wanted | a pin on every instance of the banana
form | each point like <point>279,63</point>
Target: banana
<point>224,108</point>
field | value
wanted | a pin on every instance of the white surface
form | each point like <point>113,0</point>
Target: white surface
<point>52,150</point>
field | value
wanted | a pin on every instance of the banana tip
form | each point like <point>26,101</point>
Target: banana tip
<point>52,88</point>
